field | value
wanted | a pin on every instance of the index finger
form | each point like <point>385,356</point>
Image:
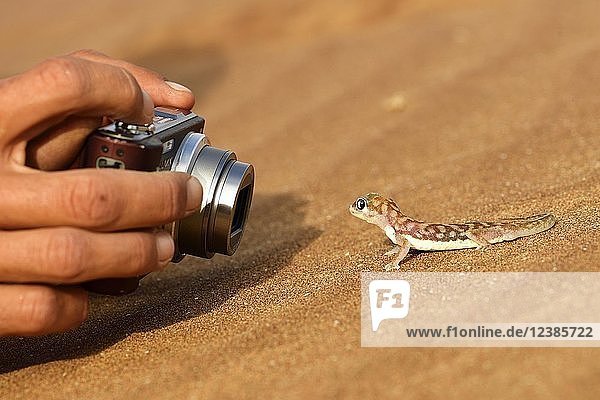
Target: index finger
<point>63,86</point>
<point>97,199</point>
<point>163,92</point>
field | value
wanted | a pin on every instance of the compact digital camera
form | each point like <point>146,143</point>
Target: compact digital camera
<point>175,141</point>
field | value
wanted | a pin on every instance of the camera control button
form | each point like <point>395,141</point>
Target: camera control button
<point>134,129</point>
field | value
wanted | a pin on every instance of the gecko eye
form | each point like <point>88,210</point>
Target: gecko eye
<point>361,204</point>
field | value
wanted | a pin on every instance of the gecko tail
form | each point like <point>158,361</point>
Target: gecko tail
<point>541,222</point>
<point>520,227</point>
<point>546,220</point>
<point>513,228</point>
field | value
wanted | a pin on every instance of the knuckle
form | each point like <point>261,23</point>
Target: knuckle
<point>88,53</point>
<point>130,91</point>
<point>65,255</point>
<point>40,309</point>
<point>91,200</point>
<point>143,257</point>
<point>66,73</point>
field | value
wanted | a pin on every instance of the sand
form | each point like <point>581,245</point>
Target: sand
<point>458,111</point>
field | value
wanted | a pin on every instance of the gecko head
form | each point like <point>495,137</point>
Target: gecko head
<point>369,208</point>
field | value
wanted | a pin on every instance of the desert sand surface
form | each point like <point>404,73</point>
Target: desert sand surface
<point>458,110</point>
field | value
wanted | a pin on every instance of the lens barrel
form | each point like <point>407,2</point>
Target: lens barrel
<point>228,184</point>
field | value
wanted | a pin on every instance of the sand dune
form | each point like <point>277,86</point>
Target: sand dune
<point>500,119</point>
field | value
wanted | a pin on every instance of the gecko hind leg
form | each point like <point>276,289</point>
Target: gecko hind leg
<point>478,236</point>
<point>401,250</point>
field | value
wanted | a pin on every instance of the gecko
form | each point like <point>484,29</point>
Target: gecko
<point>406,233</point>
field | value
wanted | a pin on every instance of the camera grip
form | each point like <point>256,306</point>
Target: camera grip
<point>101,151</point>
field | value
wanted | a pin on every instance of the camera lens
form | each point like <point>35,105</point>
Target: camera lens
<point>218,226</point>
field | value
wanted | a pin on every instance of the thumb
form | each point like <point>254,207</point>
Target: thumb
<point>58,147</point>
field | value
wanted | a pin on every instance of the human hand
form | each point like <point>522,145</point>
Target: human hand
<point>58,229</point>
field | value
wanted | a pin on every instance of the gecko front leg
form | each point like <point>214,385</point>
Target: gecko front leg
<point>401,249</point>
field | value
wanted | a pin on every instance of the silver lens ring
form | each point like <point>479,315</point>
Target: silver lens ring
<point>188,152</point>
<point>184,162</point>
<point>228,184</point>
<point>231,206</point>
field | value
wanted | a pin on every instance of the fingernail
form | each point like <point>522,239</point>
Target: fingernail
<point>178,87</point>
<point>194,196</point>
<point>148,106</point>
<point>165,247</point>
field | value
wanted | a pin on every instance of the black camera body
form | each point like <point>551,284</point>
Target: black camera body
<point>142,147</point>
